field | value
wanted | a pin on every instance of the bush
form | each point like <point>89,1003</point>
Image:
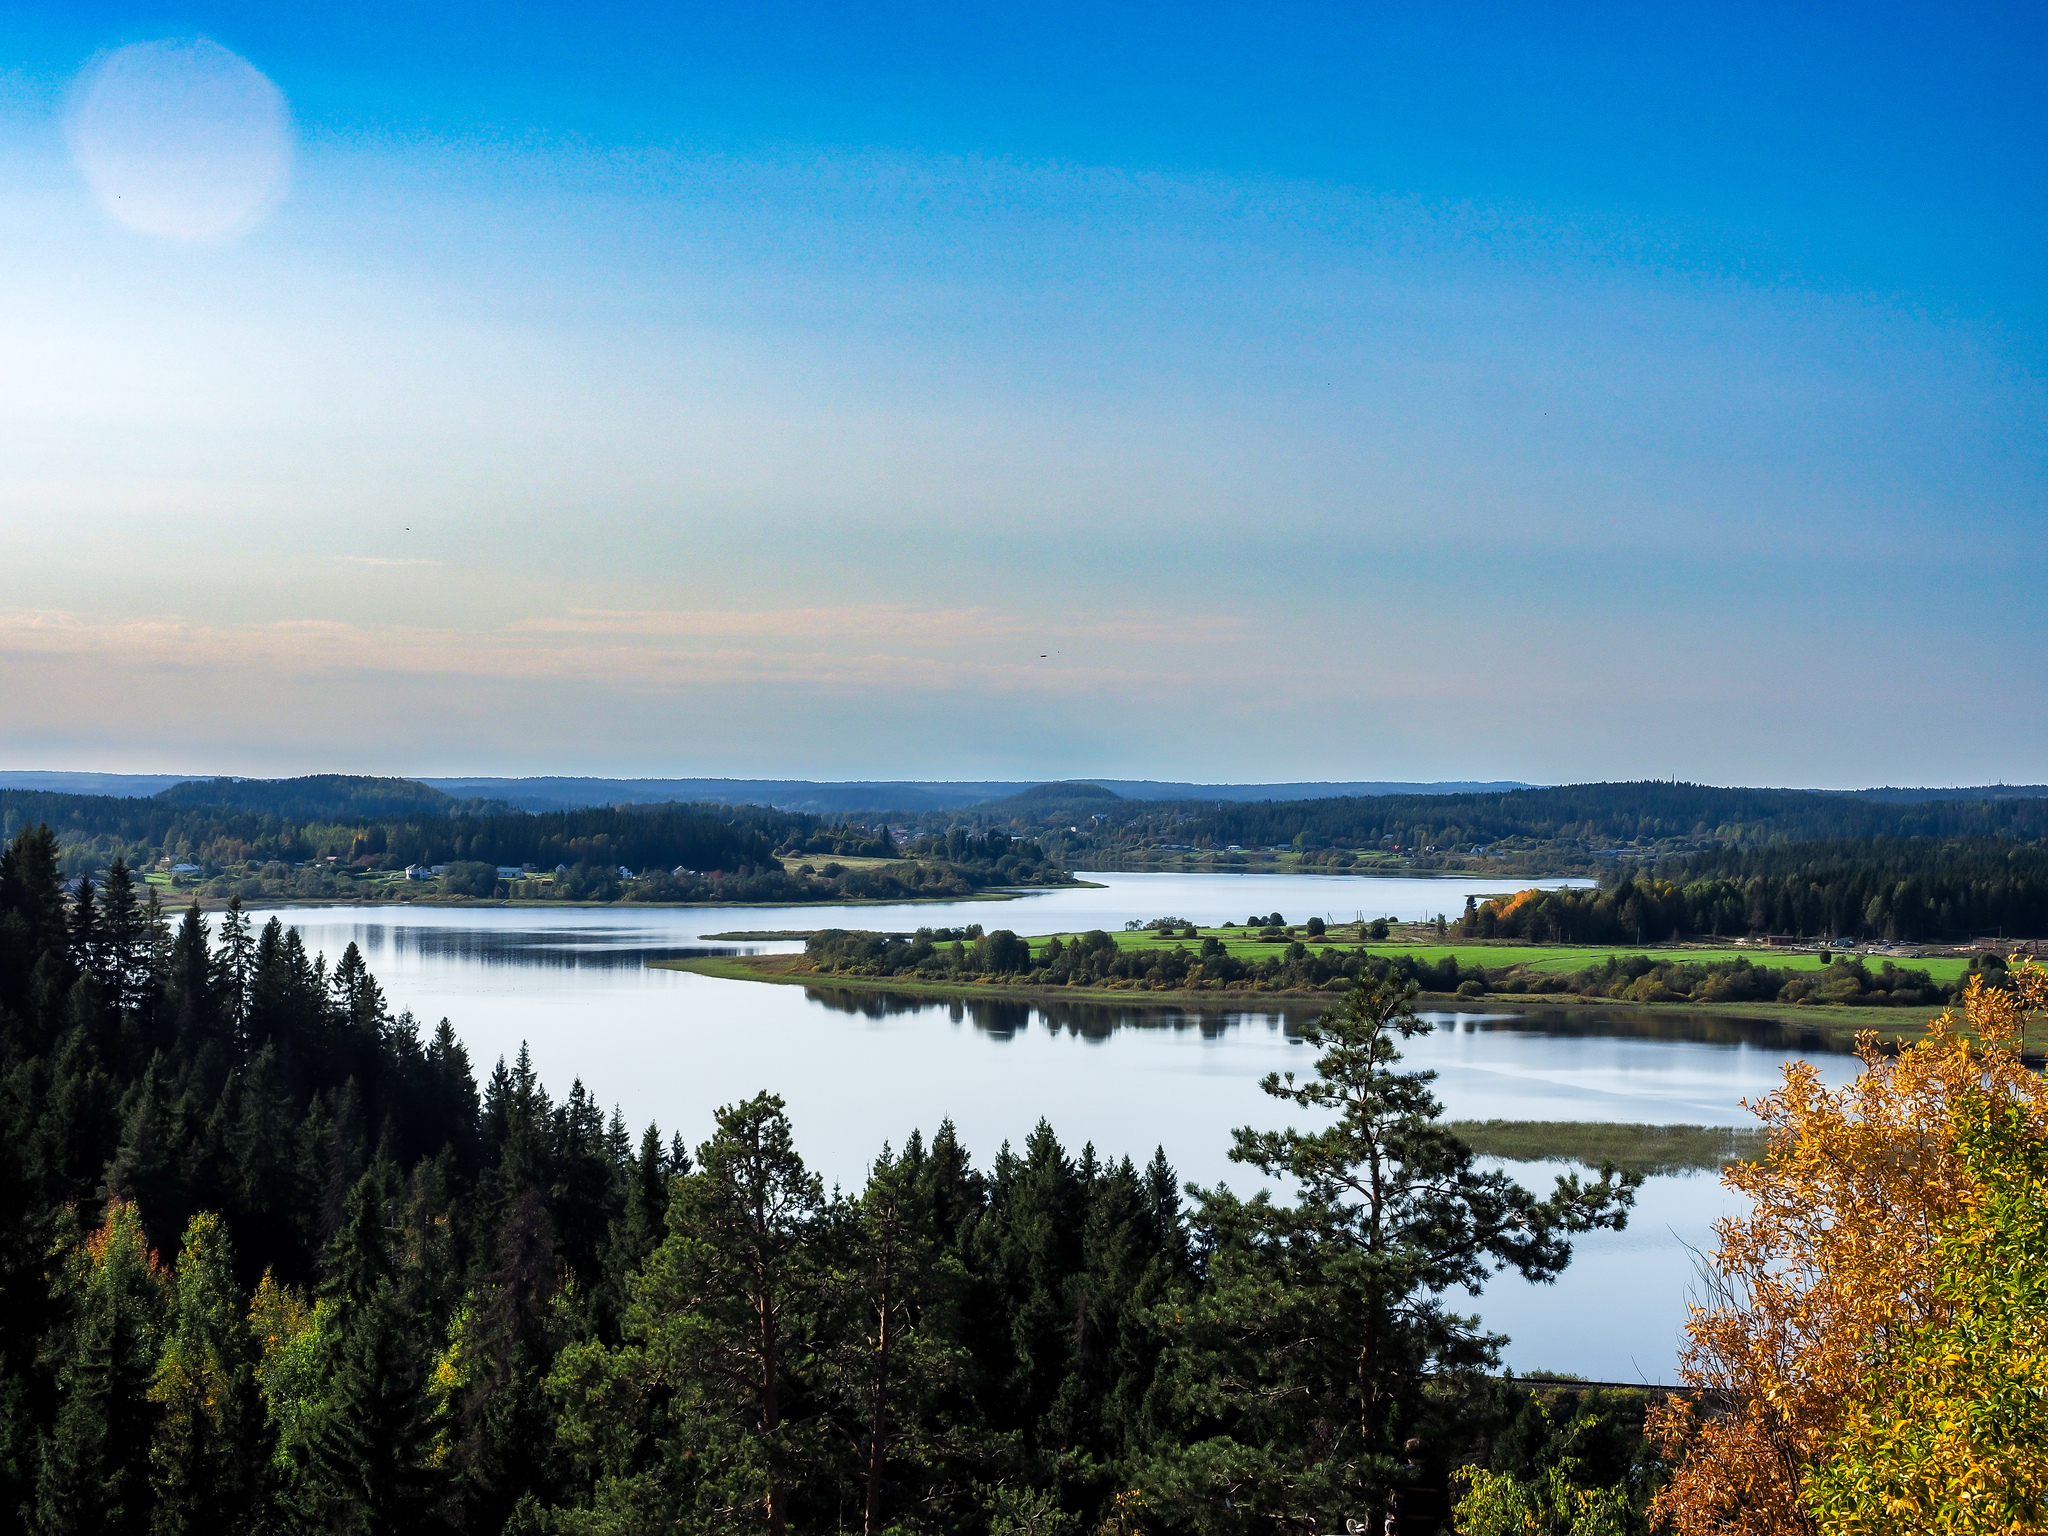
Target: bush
<point>466,877</point>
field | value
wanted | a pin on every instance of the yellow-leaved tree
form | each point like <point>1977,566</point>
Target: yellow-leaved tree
<point>1826,1287</point>
<point>1956,1439</point>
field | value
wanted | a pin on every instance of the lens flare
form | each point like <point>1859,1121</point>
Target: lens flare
<point>182,139</point>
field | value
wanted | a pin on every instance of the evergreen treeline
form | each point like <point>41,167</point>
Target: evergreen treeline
<point>271,1262</point>
<point>93,830</point>
<point>1906,891</point>
<point>1910,891</point>
<point>1589,815</point>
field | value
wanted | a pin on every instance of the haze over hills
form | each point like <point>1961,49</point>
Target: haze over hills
<point>824,797</point>
<point>351,794</point>
<point>553,793</point>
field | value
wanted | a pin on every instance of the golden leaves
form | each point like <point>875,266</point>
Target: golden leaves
<point>1836,1266</point>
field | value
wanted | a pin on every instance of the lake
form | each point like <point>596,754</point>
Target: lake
<point>858,1069</point>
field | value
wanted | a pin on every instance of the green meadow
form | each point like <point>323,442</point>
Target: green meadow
<point>1246,944</point>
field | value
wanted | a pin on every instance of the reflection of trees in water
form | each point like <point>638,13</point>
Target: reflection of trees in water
<point>1005,1018</point>
<point>1653,1024</point>
<point>533,948</point>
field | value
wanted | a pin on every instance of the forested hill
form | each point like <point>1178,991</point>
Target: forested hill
<point>1591,816</point>
<point>326,797</point>
<point>386,829</point>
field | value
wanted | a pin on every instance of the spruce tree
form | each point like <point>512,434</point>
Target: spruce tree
<point>94,1474</point>
<point>368,1465</point>
<point>356,992</point>
<point>207,1458</point>
<point>34,928</point>
<point>190,973</point>
<point>234,968</point>
<point>87,945</point>
<point>128,964</point>
<point>501,1426</point>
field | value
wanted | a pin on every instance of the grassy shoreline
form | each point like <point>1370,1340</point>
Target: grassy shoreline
<point>1840,1024</point>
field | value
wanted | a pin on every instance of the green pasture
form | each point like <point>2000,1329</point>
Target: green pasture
<point>1245,943</point>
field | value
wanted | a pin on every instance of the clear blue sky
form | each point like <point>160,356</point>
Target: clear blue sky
<point>1184,392</point>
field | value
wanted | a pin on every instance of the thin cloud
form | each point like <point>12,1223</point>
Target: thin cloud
<point>896,651</point>
<point>889,623</point>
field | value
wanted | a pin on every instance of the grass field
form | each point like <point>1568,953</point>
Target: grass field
<point>790,861</point>
<point>1246,944</point>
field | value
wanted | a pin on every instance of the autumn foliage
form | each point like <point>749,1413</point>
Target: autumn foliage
<point>1826,1292</point>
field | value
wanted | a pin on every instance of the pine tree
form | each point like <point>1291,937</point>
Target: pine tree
<point>896,1369</point>
<point>721,1330</point>
<point>1300,1365</point>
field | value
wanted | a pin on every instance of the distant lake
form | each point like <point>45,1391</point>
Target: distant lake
<point>859,1068</point>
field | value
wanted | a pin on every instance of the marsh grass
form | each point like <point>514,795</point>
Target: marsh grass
<point>1649,1149</point>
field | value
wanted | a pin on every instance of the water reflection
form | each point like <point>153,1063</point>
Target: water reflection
<point>608,949</point>
<point>1588,1022</point>
<point>1006,1018</point>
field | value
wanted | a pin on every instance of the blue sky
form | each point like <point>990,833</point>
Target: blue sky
<point>1183,393</point>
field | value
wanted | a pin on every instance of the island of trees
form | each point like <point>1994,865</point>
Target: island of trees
<point>1215,966</point>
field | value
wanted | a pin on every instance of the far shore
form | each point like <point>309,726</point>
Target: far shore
<point>179,900</point>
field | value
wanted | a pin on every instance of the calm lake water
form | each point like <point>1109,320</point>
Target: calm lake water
<point>858,1069</point>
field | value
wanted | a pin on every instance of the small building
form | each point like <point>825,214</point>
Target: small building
<point>510,872</point>
<point>185,869</point>
<point>418,872</point>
